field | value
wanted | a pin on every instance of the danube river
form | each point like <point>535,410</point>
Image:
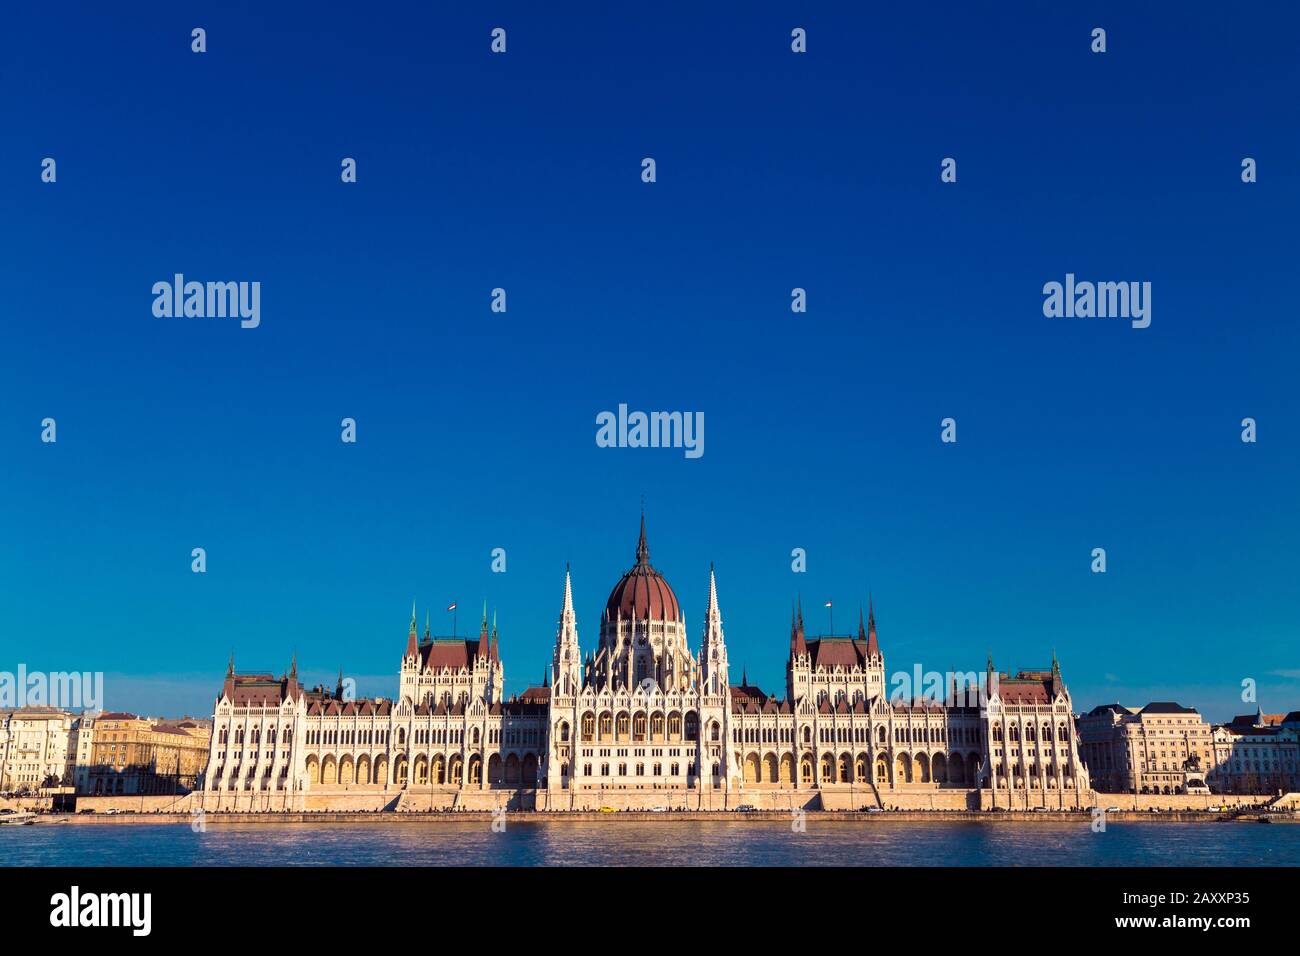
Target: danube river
<point>654,843</point>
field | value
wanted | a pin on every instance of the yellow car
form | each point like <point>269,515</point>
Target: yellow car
<point>607,810</point>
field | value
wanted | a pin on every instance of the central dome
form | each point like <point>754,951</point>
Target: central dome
<point>643,592</point>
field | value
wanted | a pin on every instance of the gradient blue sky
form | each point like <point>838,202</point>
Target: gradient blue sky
<point>822,430</point>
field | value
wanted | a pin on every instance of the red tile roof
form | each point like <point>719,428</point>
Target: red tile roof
<point>455,654</point>
<point>829,652</point>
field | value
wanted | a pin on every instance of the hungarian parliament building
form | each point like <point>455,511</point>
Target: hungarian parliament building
<point>643,722</point>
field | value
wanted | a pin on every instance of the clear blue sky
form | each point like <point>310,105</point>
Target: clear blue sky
<point>476,430</point>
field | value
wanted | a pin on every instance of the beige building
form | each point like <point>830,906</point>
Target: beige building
<point>139,755</point>
<point>644,720</point>
<point>33,748</point>
<point>1165,748</point>
<point>1162,748</point>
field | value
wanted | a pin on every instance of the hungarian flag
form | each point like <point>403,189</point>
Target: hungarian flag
<point>451,607</point>
<point>827,604</point>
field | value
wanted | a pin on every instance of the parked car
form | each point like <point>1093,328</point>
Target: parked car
<point>608,810</point>
<point>112,810</point>
<point>658,809</point>
<point>745,808</point>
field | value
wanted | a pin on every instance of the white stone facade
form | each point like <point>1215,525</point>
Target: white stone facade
<point>640,721</point>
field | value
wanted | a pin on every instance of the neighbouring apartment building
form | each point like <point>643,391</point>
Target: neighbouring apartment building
<point>33,747</point>
<point>130,754</point>
<point>1257,753</point>
<point>1166,748</point>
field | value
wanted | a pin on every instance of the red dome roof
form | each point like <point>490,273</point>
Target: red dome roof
<point>643,592</point>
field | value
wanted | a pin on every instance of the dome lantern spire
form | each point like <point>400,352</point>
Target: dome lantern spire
<point>642,549</point>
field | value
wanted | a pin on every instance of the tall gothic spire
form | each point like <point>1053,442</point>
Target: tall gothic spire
<point>566,612</point>
<point>712,616</point>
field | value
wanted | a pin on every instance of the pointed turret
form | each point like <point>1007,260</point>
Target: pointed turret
<point>798,646</point>
<point>230,665</point>
<point>293,667</point>
<point>412,643</point>
<point>873,645</point>
<point>496,654</point>
<point>484,638</point>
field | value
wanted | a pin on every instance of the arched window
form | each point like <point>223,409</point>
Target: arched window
<point>638,727</point>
